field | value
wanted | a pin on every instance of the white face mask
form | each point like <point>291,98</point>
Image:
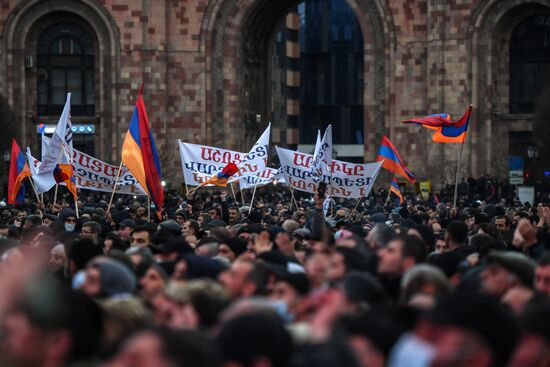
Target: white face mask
<point>412,351</point>
<point>69,227</point>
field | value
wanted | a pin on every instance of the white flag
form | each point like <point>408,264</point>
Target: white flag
<point>322,156</point>
<point>255,162</point>
<point>317,144</point>
<point>61,142</point>
<point>326,204</point>
<point>45,145</point>
<point>42,181</point>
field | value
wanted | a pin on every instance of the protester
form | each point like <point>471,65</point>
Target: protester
<point>213,282</point>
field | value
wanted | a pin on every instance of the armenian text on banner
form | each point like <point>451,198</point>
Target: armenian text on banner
<point>200,162</point>
<point>349,180</point>
<point>265,178</point>
<point>94,174</point>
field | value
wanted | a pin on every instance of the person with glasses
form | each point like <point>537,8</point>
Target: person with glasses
<point>90,230</point>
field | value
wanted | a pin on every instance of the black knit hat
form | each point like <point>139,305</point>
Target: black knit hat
<point>236,244</point>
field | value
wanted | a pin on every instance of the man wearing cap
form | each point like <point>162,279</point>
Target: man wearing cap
<point>125,228</point>
<point>171,225</point>
<point>289,287</point>
<point>232,248</point>
<point>506,270</point>
<point>170,250</point>
<point>106,277</point>
<point>68,216</point>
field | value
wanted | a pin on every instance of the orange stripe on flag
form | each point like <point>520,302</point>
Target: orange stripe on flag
<point>131,156</point>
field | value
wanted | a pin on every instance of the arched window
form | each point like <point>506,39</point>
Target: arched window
<point>65,62</point>
<point>529,63</point>
<point>327,59</point>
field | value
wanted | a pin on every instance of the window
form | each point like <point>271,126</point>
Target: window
<point>65,61</point>
<point>331,71</point>
<point>529,63</point>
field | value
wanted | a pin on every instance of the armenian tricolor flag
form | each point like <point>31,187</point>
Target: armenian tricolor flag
<point>139,154</point>
<point>64,173</point>
<point>392,160</point>
<point>397,190</point>
<point>221,178</point>
<point>19,170</point>
<point>446,130</point>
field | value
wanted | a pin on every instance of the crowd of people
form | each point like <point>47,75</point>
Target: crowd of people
<point>214,282</point>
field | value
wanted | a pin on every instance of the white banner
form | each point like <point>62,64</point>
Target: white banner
<point>200,162</point>
<point>256,160</point>
<point>265,178</point>
<point>94,174</point>
<point>349,180</point>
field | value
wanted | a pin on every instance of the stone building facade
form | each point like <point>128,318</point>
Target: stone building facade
<point>206,67</point>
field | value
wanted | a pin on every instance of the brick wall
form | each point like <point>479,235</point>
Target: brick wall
<point>204,64</point>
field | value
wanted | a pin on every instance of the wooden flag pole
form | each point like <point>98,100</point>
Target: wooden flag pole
<point>242,196</point>
<point>55,194</point>
<point>76,206</point>
<point>233,191</point>
<point>357,204</point>
<point>293,198</point>
<point>34,189</point>
<point>252,202</point>
<point>389,193</point>
<point>148,208</point>
<point>114,187</point>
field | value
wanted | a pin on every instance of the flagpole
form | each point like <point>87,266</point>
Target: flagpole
<point>114,187</point>
<point>34,189</point>
<point>76,205</point>
<point>293,198</point>
<point>56,184</point>
<point>252,202</point>
<point>233,191</point>
<point>55,194</point>
<point>241,191</point>
<point>357,204</point>
<point>457,173</point>
<point>389,192</point>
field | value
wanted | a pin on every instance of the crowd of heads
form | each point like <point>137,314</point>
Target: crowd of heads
<point>213,282</point>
